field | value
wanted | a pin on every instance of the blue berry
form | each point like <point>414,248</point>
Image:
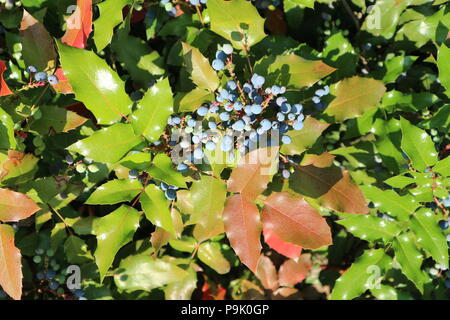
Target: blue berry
<point>298,125</point>
<point>214,109</point>
<point>53,80</point>
<point>247,88</point>
<point>195,139</point>
<point>228,140</point>
<point>31,69</point>
<point>182,167</point>
<point>228,107</point>
<point>316,99</point>
<point>40,76</point>
<point>226,147</point>
<point>297,108</point>
<point>51,274</point>
<point>164,186</point>
<point>256,109</point>
<point>78,293</point>
<point>133,174</point>
<point>212,125</point>
<point>280,101</point>
<point>224,116</point>
<point>191,123</point>
<point>40,276</point>
<point>210,145</point>
<point>286,174</point>
<point>443,224</point>
<point>276,90</point>
<point>257,81</point>
<point>224,94</point>
<point>291,116</point>
<point>266,124</point>
<point>221,55</point>
<point>237,106</point>
<point>170,194</point>
<point>227,48</point>
<point>194,2</point>
<point>198,154</point>
<point>53,285</point>
<point>285,108</point>
<point>231,85</point>
<point>218,64</point>
<point>176,120</point>
<point>239,125</point>
<point>202,111</point>
<point>281,117</point>
<point>286,139</point>
<point>447,283</point>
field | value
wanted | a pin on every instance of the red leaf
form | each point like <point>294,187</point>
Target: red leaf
<point>63,85</point>
<point>79,25</point>
<point>253,172</point>
<point>287,249</point>
<point>15,206</point>
<point>294,271</point>
<point>243,229</point>
<point>267,273</point>
<point>10,264</point>
<point>4,89</point>
<point>295,221</point>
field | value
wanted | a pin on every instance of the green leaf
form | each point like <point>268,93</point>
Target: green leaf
<point>237,21</point>
<point>384,292</point>
<point>396,65</point>
<point>371,228</point>
<point>362,275</point>
<point>417,144</point>
<point>304,139</point>
<point>443,167</point>
<point>76,251</point>
<point>95,84</point>
<point>292,71</point>
<point>399,181</point>
<point>210,254</point>
<point>115,191</point>
<point>137,161</point>
<point>191,101</point>
<point>354,96</point>
<point>429,236</point>
<point>113,231</point>
<point>388,201</point>
<point>185,244</point>
<point>18,168</point>
<point>443,61</point>
<point>108,144</point>
<point>199,68</point>
<point>182,289</point>
<point>412,102</point>
<point>163,170</point>
<point>156,208</point>
<point>150,118</point>
<point>110,16</point>
<point>384,16</point>
<point>56,119</point>
<point>340,52</point>
<point>410,260</point>
<point>142,272</point>
<point>7,139</point>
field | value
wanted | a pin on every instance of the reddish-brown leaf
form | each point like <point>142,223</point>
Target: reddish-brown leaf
<point>243,229</point>
<point>295,221</point>
<point>254,172</point>
<point>79,25</point>
<point>267,273</point>
<point>294,271</point>
<point>15,206</point>
<point>10,264</point>
<point>275,22</point>
<point>282,247</point>
<point>63,86</point>
<point>4,89</point>
<point>332,186</point>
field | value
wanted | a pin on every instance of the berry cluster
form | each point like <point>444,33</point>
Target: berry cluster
<point>41,76</point>
<point>240,118</point>
<point>169,191</point>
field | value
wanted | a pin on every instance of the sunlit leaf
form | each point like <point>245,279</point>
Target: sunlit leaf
<point>10,264</point>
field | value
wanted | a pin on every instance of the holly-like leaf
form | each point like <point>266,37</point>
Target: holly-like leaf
<point>237,21</point>
<point>210,254</point>
<point>79,25</point>
<point>371,228</point>
<point>388,201</point>
<point>295,221</point>
<point>254,172</point>
<point>364,274</point>
<point>384,17</point>
<point>108,144</point>
<point>57,119</point>
<point>243,229</point>
<point>330,185</point>
<point>95,84</point>
<point>76,251</point>
<point>267,273</point>
<point>110,16</point>
<point>37,45</point>
<point>424,225</point>
<point>18,168</point>
<point>443,167</point>
<point>150,118</point>
<point>15,206</point>
<point>191,101</point>
<point>294,271</point>
<point>162,169</point>
<point>282,247</point>
<point>156,208</point>
<point>115,191</point>
<point>199,68</point>
<point>292,71</point>
<point>304,139</point>
<point>354,96</point>
<point>10,263</point>
<point>113,231</point>
<point>143,272</point>
<point>417,144</point>
<point>4,89</point>
<point>182,289</point>
<point>7,139</point>
<point>443,60</point>
<point>410,259</point>
<point>208,197</point>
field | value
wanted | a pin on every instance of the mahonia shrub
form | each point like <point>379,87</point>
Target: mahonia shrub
<point>224,149</point>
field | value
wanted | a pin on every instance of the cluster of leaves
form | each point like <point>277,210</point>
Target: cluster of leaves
<point>359,209</point>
